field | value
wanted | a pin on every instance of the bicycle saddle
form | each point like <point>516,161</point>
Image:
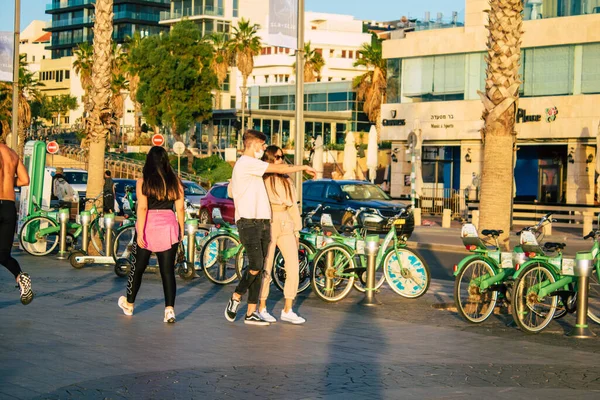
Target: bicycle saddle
<point>554,246</point>
<point>491,232</point>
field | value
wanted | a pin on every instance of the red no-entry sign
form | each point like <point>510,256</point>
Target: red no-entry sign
<point>158,139</point>
<point>52,147</point>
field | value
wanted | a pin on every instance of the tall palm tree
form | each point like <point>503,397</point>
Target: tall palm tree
<point>370,86</point>
<point>101,114</point>
<point>133,77</point>
<point>245,44</point>
<point>83,67</point>
<point>221,62</point>
<point>313,64</point>
<point>500,103</point>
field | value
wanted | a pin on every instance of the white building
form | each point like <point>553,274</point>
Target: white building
<point>33,42</point>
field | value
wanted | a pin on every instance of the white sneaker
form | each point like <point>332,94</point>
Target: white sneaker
<point>264,314</point>
<point>292,317</point>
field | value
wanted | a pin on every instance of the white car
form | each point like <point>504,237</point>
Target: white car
<point>77,178</point>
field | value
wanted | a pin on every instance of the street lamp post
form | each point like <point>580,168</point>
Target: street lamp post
<point>15,98</point>
<point>299,140</point>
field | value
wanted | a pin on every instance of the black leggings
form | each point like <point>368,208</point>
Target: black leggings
<point>166,263</point>
<point>8,222</point>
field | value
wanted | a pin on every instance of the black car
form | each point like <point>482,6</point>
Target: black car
<point>340,195</point>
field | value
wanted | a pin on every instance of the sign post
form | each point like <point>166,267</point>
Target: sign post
<point>52,148</point>
<point>179,149</point>
<point>158,139</point>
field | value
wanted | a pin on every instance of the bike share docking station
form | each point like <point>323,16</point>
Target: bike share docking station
<point>584,267</point>
<point>371,248</point>
<point>79,258</point>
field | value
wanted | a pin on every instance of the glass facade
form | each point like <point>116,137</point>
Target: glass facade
<point>189,8</point>
<point>545,71</point>
<point>73,20</point>
<point>540,9</point>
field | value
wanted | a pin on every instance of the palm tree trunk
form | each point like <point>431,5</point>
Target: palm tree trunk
<point>500,103</point>
<point>101,119</point>
<point>137,119</point>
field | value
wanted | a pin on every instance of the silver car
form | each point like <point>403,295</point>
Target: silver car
<point>193,193</point>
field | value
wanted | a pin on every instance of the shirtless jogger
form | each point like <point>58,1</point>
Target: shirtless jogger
<point>12,173</point>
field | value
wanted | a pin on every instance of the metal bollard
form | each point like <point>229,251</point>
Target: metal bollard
<point>371,248</point>
<point>584,267</point>
<point>85,217</point>
<point>109,221</point>
<point>63,219</point>
<point>191,227</point>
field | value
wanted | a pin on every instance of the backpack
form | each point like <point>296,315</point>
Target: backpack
<point>64,192</point>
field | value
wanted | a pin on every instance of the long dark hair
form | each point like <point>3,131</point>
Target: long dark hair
<point>160,181</point>
<point>269,157</point>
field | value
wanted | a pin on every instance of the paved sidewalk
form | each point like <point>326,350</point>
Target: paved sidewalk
<point>73,342</point>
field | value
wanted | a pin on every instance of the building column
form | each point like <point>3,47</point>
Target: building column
<point>580,174</point>
<point>333,133</point>
<point>469,171</point>
<point>399,170</point>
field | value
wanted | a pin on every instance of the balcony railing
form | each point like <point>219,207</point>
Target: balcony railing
<point>136,15</point>
<point>69,22</point>
<point>73,40</point>
<point>193,11</point>
<point>57,5</point>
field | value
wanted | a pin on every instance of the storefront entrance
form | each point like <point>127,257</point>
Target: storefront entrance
<point>540,173</point>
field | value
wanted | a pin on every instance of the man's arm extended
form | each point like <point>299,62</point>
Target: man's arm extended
<point>289,169</point>
<point>22,178</point>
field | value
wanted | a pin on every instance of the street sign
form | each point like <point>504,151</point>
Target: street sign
<point>158,140</point>
<point>179,148</point>
<point>52,147</point>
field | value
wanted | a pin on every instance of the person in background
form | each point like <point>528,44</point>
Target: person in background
<point>109,192</point>
<point>12,173</point>
<point>253,219</point>
<point>63,191</point>
<point>158,229</point>
<point>285,227</point>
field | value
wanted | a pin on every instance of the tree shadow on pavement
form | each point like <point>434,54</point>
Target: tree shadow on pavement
<point>361,337</point>
<point>118,285</point>
<point>212,292</point>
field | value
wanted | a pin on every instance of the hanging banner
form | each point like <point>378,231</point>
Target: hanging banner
<point>283,20</point>
<point>6,56</point>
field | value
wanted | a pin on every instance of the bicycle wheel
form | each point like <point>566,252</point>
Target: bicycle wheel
<point>409,276</point>
<point>218,258</point>
<point>594,298</point>
<point>123,246</point>
<point>379,278</point>
<point>472,303</point>
<point>531,312</point>
<point>97,235</point>
<point>331,280</point>
<point>278,273</point>
<point>36,243</point>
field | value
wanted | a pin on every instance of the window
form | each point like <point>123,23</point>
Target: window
<point>220,192</point>
<point>319,51</point>
<point>236,8</point>
<point>541,9</point>
<point>33,58</point>
<point>66,120</point>
<point>266,78</point>
<point>333,192</point>
<point>268,50</point>
<point>193,189</point>
<point>287,51</point>
<point>313,190</point>
<point>590,74</point>
<point>548,71</point>
<point>364,192</point>
<point>331,52</point>
<point>350,54</point>
<point>343,53</point>
<point>433,78</point>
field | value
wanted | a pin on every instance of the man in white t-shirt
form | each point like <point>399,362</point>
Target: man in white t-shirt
<point>253,218</point>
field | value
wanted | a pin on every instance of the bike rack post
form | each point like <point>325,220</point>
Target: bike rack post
<point>191,226</point>
<point>109,221</point>
<point>371,248</point>
<point>584,267</point>
<point>63,219</point>
<point>85,217</point>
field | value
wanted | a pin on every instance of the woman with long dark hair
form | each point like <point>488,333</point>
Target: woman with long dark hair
<point>158,229</point>
<point>285,227</point>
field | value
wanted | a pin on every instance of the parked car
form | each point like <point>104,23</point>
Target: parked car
<point>120,185</point>
<point>193,193</point>
<point>217,197</point>
<point>340,195</point>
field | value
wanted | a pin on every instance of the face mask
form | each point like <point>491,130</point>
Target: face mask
<point>259,154</point>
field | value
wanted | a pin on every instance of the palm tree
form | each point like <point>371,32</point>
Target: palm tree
<point>83,67</point>
<point>245,44</point>
<point>221,61</point>
<point>118,85</point>
<point>370,86</point>
<point>61,105</point>
<point>101,78</point>
<point>132,76</point>
<point>313,64</point>
<point>500,103</point>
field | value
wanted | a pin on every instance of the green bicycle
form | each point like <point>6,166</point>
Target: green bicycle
<point>39,235</point>
<point>545,286</point>
<point>338,265</point>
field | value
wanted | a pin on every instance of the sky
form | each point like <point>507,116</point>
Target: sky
<point>378,10</point>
